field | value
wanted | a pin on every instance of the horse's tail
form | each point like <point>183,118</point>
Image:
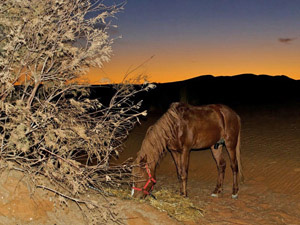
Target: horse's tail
<point>238,155</point>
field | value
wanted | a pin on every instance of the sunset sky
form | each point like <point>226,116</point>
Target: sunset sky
<point>197,37</point>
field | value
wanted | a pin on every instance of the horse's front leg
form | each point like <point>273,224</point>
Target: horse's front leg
<point>181,160</point>
<point>178,163</point>
<point>221,166</point>
<point>185,159</point>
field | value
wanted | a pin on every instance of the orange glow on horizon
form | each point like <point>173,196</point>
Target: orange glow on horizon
<point>180,62</point>
<point>171,71</point>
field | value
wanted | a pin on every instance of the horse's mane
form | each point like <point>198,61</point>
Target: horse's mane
<point>160,134</point>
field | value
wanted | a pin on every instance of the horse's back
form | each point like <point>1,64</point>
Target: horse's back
<point>204,125</point>
<point>230,120</point>
<point>208,112</point>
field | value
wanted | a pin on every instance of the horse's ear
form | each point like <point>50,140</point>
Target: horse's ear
<point>143,160</point>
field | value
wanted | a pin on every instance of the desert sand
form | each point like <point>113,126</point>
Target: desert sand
<point>270,147</point>
<point>270,144</point>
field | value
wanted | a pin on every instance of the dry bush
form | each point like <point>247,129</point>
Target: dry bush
<point>50,42</point>
<point>70,140</point>
<point>49,126</point>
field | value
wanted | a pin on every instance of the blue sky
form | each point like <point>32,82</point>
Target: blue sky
<point>196,37</point>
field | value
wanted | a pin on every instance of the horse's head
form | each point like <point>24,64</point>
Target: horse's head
<point>143,181</point>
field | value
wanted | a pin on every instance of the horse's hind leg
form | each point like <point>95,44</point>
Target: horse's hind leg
<point>234,166</point>
<point>221,166</point>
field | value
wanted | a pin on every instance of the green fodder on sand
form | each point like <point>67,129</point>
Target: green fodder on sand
<point>177,206</point>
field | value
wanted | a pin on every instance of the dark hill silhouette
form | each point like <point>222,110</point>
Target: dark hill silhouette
<point>242,89</point>
<point>236,90</point>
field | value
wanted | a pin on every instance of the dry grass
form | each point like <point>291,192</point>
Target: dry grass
<point>175,205</point>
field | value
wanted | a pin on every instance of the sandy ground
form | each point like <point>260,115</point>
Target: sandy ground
<point>270,195</point>
<point>271,160</point>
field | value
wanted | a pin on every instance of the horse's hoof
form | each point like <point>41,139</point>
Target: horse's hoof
<point>214,195</point>
<point>234,196</point>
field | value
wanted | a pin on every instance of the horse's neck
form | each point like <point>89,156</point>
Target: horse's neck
<point>153,163</point>
<point>152,153</point>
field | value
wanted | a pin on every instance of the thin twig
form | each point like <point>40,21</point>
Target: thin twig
<point>58,156</point>
<point>77,200</point>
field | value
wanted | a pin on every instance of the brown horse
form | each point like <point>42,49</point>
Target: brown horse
<point>182,128</point>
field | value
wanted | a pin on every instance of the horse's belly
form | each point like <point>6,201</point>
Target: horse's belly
<point>206,139</point>
<point>205,144</point>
